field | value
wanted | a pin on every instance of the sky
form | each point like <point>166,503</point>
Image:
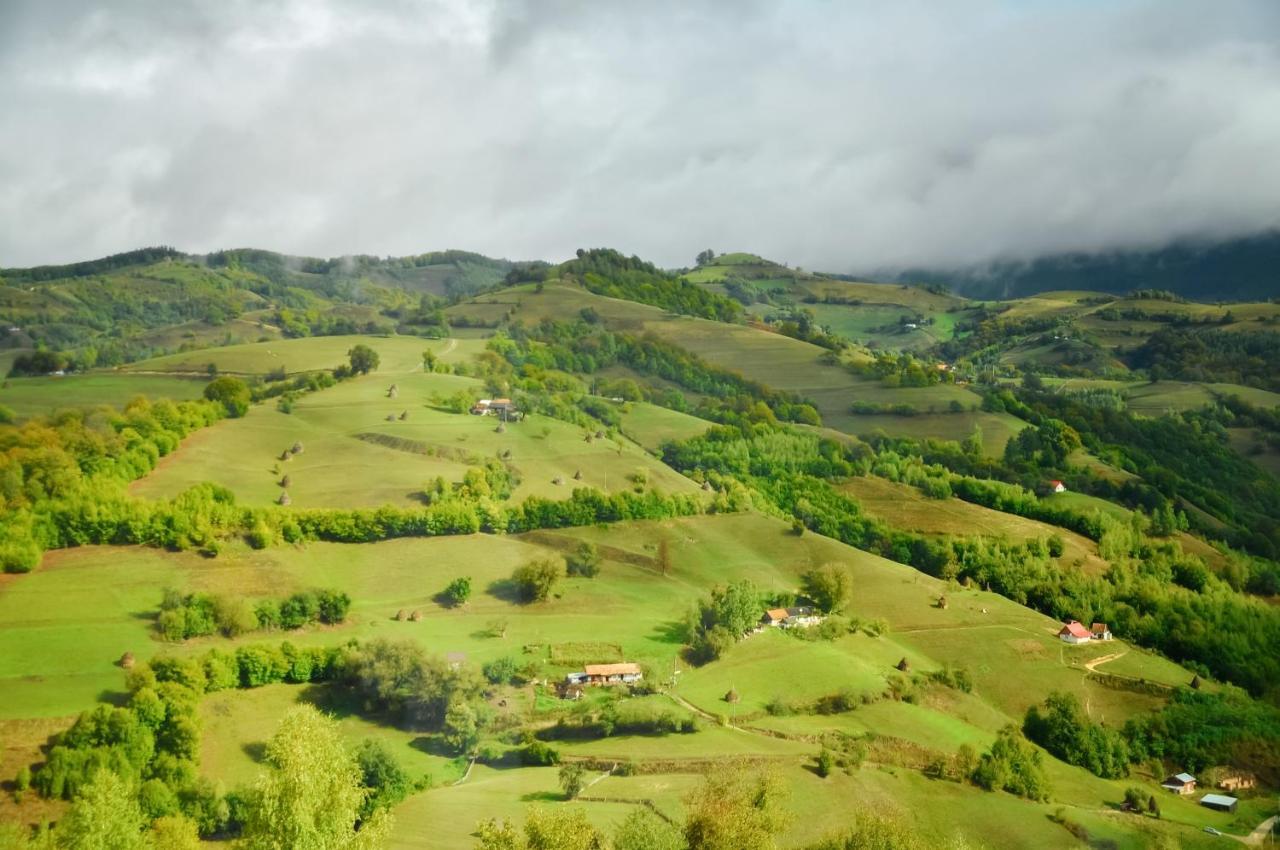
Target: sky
<point>838,136</point>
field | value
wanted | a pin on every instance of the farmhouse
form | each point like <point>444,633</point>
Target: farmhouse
<point>1180,783</point>
<point>1074,632</point>
<point>790,618</point>
<point>494,407</point>
<point>1219,802</point>
<point>611,674</point>
<point>1100,631</point>
<point>1057,486</point>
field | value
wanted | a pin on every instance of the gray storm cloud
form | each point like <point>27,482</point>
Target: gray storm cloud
<point>830,135</point>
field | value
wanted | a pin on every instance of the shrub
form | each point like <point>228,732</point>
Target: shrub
<point>572,779</point>
<point>502,671</point>
<point>539,754</point>
<point>457,592</point>
<point>535,580</point>
<point>584,560</point>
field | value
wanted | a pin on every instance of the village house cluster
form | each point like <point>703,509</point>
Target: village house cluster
<point>1075,632</point>
<point>1184,785</point>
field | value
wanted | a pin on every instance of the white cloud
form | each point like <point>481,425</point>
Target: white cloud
<point>835,136</point>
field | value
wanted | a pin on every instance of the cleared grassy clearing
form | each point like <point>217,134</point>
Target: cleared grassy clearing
<point>651,425</point>
<point>903,506</point>
<point>346,434</point>
<point>997,428</point>
<point>773,664</point>
<point>38,396</point>
<point>1085,503</point>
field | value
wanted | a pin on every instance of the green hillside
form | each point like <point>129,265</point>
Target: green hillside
<point>229,533</point>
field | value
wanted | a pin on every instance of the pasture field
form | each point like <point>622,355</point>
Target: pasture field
<point>651,425</point>
<point>1085,503</point>
<point>996,428</point>
<point>55,659</point>
<point>253,326</point>
<point>106,597</point>
<point>400,355</point>
<point>903,506</point>
<point>38,396</point>
<point>899,295</point>
<point>355,456</point>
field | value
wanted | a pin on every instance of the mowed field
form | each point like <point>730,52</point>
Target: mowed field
<point>903,506</point>
<point>83,608</point>
<point>38,396</point>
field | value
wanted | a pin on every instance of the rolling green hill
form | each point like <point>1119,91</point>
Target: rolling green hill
<point>694,450</point>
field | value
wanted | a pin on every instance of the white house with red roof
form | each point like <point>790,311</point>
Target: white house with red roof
<point>1074,632</point>
<point>1057,486</point>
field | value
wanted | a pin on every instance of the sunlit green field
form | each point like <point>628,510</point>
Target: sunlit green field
<point>42,395</point>
<point>354,455</point>
<point>106,596</point>
<point>400,354</point>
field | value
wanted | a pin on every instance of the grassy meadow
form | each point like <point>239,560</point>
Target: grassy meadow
<point>39,396</point>
<point>356,455</point>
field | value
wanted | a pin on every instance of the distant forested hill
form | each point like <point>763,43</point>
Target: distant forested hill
<point>1245,269</point>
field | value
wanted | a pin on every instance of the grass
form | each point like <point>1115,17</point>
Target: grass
<point>776,665</point>
<point>399,354</point>
<point>651,425</point>
<point>29,397</point>
<point>57,659</point>
<point>346,434</point>
<point>904,506</point>
<point>236,725</point>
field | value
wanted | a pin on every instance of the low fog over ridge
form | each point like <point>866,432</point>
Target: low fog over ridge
<point>853,136</point>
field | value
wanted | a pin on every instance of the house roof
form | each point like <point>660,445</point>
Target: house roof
<point>798,612</point>
<point>1217,800</point>
<point>1055,483</point>
<point>1179,779</point>
<point>1099,627</point>
<point>776,613</point>
<point>1074,629</point>
<point>622,669</point>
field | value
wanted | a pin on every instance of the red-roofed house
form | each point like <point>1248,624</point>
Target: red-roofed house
<point>1100,631</point>
<point>612,674</point>
<point>1057,486</point>
<point>1074,632</point>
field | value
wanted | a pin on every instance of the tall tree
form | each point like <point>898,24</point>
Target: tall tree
<point>311,796</point>
<point>106,816</point>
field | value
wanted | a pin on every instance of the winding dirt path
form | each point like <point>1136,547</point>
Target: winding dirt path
<point>1093,665</point>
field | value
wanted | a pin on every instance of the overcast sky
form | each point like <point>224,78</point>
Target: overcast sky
<point>832,135</point>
